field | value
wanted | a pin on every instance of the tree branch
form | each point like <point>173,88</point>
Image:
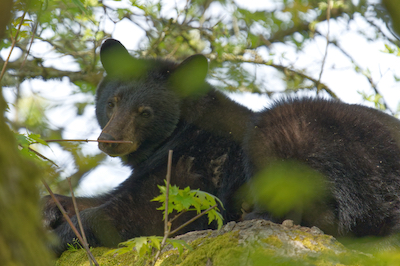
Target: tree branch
<point>305,26</point>
<point>34,70</point>
<point>193,219</point>
<point>259,60</point>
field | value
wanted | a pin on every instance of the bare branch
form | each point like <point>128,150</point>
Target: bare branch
<point>328,16</point>
<point>369,78</point>
<point>177,216</point>
<point>42,156</point>
<point>78,217</point>
<point>167,224</point>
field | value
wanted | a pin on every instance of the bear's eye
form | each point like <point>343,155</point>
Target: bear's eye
<point>145,112</point>
<point>110,105</point>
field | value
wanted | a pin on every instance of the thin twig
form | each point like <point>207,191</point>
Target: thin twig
<point>375,88</point>
<point>167,227</point>
<point>168,177</point>
<point>369,78</point>
<point>42,156</point>
<point>12,46</point>
<point>64,213</point>
<point>328,16</point>
<point>193,219</point>
<point>177,216</point>
<point>78,217</point>
<point>89,140</point>
<point>77,140</point>
<point>32,37</point>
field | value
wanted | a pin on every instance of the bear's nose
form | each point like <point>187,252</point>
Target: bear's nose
<point>106,136</point>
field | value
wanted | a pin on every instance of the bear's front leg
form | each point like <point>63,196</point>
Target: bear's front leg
<point>52,216</point>
<point>99,228</point>
<point>119,219</point>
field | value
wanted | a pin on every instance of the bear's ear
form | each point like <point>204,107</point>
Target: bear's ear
<point>117,61</point>
<point>112,55</point>
<point>189,77</point>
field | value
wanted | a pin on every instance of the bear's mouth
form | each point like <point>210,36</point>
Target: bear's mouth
<point>118,149</point>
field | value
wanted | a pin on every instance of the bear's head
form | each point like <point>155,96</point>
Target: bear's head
<point>139,100</point>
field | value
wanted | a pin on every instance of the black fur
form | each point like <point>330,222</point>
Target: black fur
<point>219,145</point>
<point>353,146</point>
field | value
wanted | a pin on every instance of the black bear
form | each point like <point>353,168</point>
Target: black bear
<point>219,145</point>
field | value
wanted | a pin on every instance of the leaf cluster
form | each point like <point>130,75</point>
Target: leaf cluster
<point>184,200</point>
<point>25,140</point>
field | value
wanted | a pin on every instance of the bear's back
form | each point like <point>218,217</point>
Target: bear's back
<point>353,146</point>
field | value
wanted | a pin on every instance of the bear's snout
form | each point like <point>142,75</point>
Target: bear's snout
<point>115,149</point>
<point>105,146</point>
<point>105,136</point>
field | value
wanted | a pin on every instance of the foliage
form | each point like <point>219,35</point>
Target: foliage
<point>25,140</point>
<point>180,201</point>
<point>183,200</point>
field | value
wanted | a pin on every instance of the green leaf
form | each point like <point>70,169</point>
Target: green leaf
<point>156,241</point>
<point>187,200</point>
<point>36,138</point>
<point>22,140</point>
<point>179,244</point>
<point>141,245</point>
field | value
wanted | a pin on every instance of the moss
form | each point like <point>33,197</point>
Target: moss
<point>220,250</point>
<point>317,243</point>
<point>273,241</point>
<point>216,249</point>
<point>225,250</point>
<point>79,257</point>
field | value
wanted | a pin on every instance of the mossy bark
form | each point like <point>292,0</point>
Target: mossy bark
<point>21,232</point>
<point>248,243</point>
